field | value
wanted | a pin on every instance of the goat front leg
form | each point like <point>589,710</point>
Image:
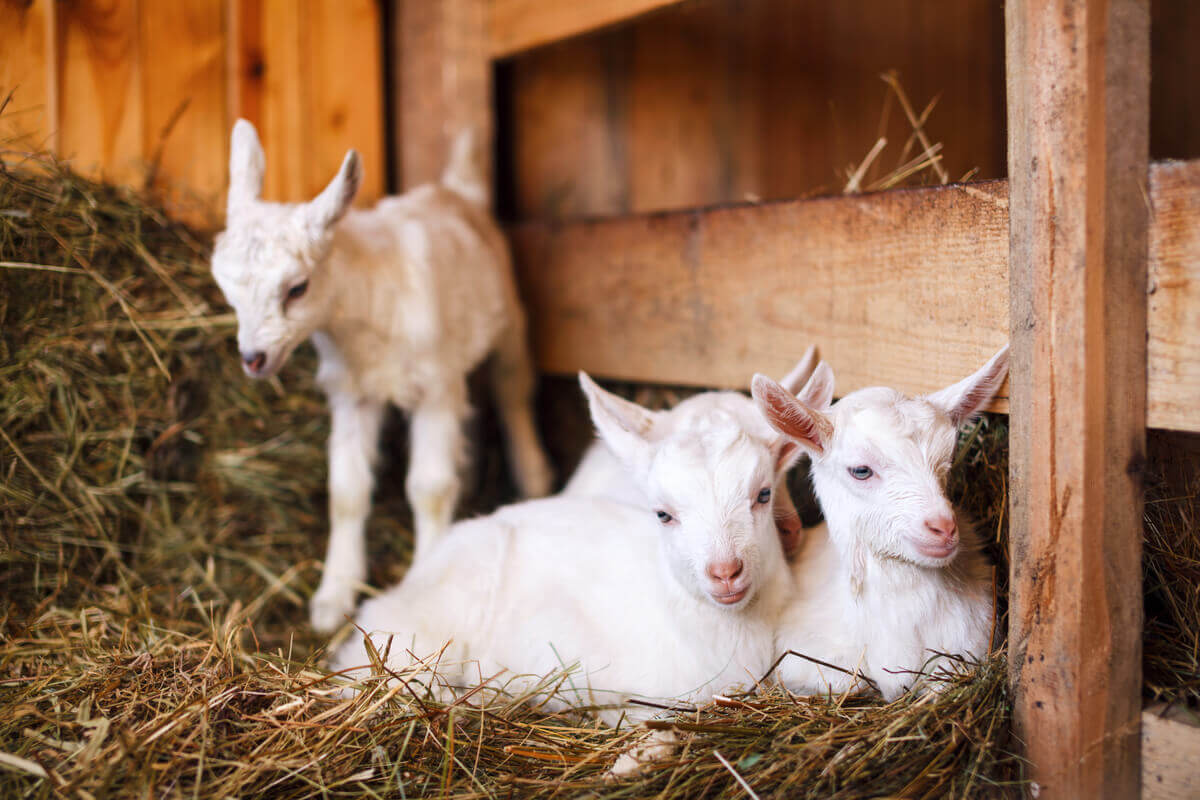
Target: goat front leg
<point>512,384</point>
<point>437,452</point>
<point>353,445</point>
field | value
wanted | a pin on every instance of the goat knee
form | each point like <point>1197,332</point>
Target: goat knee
<point>433,495</point>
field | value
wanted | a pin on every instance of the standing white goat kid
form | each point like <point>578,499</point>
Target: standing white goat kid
<point>894,576</point>
<point>401,302</point>
<point>675,598</point>
<point>601,474</point>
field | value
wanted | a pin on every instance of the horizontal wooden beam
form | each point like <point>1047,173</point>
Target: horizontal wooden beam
<point>1170,754</point>
<point>905,288</point>
<point>516,25</point>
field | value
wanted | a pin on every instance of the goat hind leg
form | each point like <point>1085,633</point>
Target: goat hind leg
<point>512,384</point>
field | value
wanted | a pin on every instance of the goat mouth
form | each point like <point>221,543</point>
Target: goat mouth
<point>940,552</point>
<point>731,598</point>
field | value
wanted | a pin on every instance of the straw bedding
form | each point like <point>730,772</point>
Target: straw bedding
<point>162,518</point>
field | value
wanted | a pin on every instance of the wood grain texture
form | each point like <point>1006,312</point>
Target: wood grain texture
<point>309,75</point>
<point>1170,754</point>
<point>444,84</point>
<point>1078,104</point>
<point>712,101</point>
<point>344,93</point>
<point>903,289</point>
<point>1173,368</point>
<point>284,126</point>
<point>100,104</point>
<point>184,123</point>
<point>27,70</point>
<point>566,162</point>
<point>515,25</point>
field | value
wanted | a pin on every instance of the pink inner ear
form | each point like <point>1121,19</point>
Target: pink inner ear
<point>795,421</point>
<point>787,452</point>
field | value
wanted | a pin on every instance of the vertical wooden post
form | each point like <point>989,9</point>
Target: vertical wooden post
<point>1078,119</point>
<point>443,77</point>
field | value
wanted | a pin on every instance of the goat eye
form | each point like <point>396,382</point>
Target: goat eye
<point>664,517</point>
<point>297,291</point>
<point>860,473</point>
<point>764,496</point>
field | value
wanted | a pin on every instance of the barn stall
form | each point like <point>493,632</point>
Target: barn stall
<point>673,178</point>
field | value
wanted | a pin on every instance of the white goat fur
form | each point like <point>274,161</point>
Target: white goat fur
<point>604,584</point>
<point>601,474</point>
<point>870,596</point>
<point>401,302</point>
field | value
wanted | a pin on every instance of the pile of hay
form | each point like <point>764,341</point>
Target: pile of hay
<point>162,519</point>
<point>1171,561</point>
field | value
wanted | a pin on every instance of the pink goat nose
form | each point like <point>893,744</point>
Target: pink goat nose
<point>254,360</point>
<point>725,570</point>
<point>944,526</point>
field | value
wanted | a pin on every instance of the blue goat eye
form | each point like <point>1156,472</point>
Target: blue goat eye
<point>861,473</point>
<point>664,517</point>
<point>764,496</point>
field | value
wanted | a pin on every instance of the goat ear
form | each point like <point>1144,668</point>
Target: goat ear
<point>335,199</point>
<point>801,372</point>
<point>818,391</point>
<point>246,166</point>
<point>787,453</point>
<point>810,428</point>
<point>965,399</point>
<point>624,426</point>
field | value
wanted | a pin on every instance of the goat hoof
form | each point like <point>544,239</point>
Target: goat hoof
<point>330,609</point>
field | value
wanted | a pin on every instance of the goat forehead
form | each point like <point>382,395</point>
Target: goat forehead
<point>719,463</point>
<point>903,428</point>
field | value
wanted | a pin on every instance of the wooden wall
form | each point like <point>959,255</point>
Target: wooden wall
<point>117,86</point>
<point>718,101</point>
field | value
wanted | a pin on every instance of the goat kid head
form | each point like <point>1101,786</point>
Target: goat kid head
<point>268,261</point>
<point>710,481</point>
<point>880,461</point>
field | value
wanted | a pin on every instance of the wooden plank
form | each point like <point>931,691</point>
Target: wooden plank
<point>185,128</point>
<point>26,70</point>
<point>1173,369</point>
<point>284,124</point>
<point>100,103</point>
<point>1170,754</point>
<point>1078,107</point>
<point>516,25</point>
<point>345,93</point>
<point>904,288</point>
<point>444,83</point>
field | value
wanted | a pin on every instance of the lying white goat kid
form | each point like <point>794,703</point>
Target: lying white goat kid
<point>894,576</point>
<point>674,598</point>
<point>401,302</point>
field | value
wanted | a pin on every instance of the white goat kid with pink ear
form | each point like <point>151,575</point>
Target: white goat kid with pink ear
<point>675,597</point>
<point>894,576</point>
<point>601,474</point>
<point>401,302</point>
